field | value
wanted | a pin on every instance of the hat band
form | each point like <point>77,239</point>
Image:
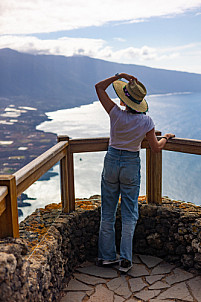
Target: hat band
<point>130,97</point>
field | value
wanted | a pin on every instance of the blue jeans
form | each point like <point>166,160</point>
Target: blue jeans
<point>121,175</point>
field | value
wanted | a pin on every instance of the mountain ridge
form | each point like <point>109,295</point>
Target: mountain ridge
<point>66,82</point>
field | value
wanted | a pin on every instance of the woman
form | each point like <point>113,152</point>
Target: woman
<point>121,172</point>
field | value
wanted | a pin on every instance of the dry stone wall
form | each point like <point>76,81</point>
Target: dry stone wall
<point>171,231</point>
<point>37,266</point>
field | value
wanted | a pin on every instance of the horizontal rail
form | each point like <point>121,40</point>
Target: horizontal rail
<point>26,176</point>
<point>96,144</point>
<point>184,145</point>
<point>89,144</point>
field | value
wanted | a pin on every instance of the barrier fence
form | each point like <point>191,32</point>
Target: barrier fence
<point>13,185</point>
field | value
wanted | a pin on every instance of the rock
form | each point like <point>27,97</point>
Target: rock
<point>178,276</point>
<point>102,272</point>
<point>146,295</point>
<point>120,287</point>
<point>102,294</point>
<point>138,270</point>
<point>194,285</point>
<point>180,250</point>
<point>178,291</point>
<point>150,261</point>
<point>8,264</point>
<point>74,297</point>
<point>89,279</point>
<point>155,241</point>
<point>154,278</point>
<point>20,213</point>
<point>75,285</point>
<point>136,284</point>
<point>197,258</point>
<point>162,268</point>
<point>196,245</point>
<point>187,261</point>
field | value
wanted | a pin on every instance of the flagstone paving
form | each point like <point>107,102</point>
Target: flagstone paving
<point>150,279</point>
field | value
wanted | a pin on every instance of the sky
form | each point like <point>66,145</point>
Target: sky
<point>155,33</point>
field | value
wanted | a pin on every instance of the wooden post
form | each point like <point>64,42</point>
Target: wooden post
<point>153,177</point>
<point>9,226</point>
<point>67,178</point>
<point>71,186</point>
<point>64,183</point>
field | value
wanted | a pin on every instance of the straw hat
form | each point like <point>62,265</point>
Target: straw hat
<point>132,94</point>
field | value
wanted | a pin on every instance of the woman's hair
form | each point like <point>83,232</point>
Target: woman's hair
<point>134,111</point>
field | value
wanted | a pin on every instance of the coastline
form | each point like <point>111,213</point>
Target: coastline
<point>20,141</point>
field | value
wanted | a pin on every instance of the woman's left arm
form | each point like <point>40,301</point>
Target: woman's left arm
<point>105,100</point>
<point>157,146</point>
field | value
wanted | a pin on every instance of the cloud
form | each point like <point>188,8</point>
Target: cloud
<point>118,39</point>
<point>66,46</point>
<point>63,46</point>
<point>141,55</point>
<point>167,57</point>
<point>30,16</point>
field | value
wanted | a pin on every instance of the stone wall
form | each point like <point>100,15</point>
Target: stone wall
<point>171,231</point>
<point>37,266</point>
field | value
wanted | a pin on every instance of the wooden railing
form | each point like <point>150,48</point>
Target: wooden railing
<point>12,186</point>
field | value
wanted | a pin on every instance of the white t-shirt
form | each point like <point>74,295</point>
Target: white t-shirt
<point>127,130</point>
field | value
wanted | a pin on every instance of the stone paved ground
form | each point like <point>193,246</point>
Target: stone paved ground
<point>150,279</point>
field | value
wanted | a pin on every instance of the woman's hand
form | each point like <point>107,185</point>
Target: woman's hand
<point>157,146</point>
<point>128,77</point>
<point>169,135</point>
<point>105,100</point>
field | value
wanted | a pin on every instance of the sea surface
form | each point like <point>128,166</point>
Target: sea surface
<point>177,113</point>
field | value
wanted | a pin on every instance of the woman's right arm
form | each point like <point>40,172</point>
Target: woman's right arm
<point>157,146</point>
<point>105,100</point>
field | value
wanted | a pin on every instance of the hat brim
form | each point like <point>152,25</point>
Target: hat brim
<point>118,87</point>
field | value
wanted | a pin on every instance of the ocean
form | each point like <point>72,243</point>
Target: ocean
<point>178,113</point>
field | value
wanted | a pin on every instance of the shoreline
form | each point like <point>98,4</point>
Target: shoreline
<point>20,141</point>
